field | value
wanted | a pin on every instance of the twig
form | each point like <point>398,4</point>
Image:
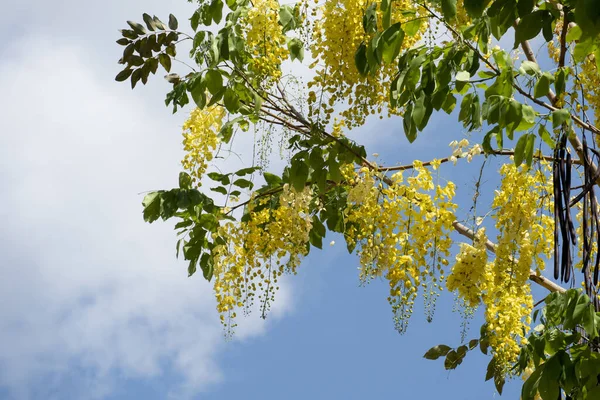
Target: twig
<point>491,246</point>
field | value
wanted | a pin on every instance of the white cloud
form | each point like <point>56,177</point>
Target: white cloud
<point>85,283</point>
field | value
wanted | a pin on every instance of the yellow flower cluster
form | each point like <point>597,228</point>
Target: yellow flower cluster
<point>525,237</point>
<point>402,231</point>
<point>337,34</point>
<point>259,250</point>
<point>525,232</point>
<point>470,274</point>
<point>265,39</point>
<point>590,82</point>
<point>200,139</point>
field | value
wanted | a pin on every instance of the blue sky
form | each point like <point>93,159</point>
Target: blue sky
<point>93,304</point>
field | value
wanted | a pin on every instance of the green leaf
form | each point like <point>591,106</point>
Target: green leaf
<point>207,266</point>
<point>410,128</point>
<point>334,172</point>
<point>231,100</point>
<point>387,13</point>
<point>548,383</point>
<point>465,108</point>
<point>528,115</point>
<point>391,42</point>
<point>192,267</point>
<point>475,7</point>
<point>296,48</point>
<point>159,24</point>
<point>173,24</point>
<point>418,112</point>
<point>217,177</point>
<point>449,104</point>
<point>449,9</point>
<point>560,81</point>
<point>437,351</point>
<point>560,117</point>
<point>216,10</point>
<point>545,136</point>
<point>499,382</point>
<point>185,180</point>
<point>360,59</point>
<point>463,76</point>
<point>583,49</point>
<point>137,28</point>
<point>487,140</point>
<point>370,19</point>
<point>542,86</point>
<point>520,150</point>
<point>243,183</point>
<point>198,92</point>
<point>530,387</point>
<point>589,322</point>
<point>587,16</point>
<point>272,179</point>
<point>219,189</point>
<point>165,61</point>
<point>135,77</point>
<point>529,147</point>
<point>452,360</point>
<point>150,24</point>
<point>195,20</point>
<point>213,81</point>
<point>123,75</point>
<point>574,33</point>
<point>315,240</point>
<point>151,205</point>
<point>286,18</point>
<point>525,7</point>
<point>412,27</point>
<point>299,174</point>
<point>529,26</point>
<point>530,68</point>
<point>246,171</point>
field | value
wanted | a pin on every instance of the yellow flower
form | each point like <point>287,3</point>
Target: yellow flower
<point>402,232</point>
<point>200,139</point>
<point>266,41</point>
<point>337,34</point>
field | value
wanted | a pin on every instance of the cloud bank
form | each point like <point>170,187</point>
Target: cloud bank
<point>89,292</point>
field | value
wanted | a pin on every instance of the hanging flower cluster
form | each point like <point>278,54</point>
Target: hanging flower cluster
<point>258,250</point>
<point>525,229</point>
<point>266,41</point>
<point>471,274</point>
<point>402,231</point>
<point>337,34</point>
<point>525,238</point>
<point>200,139</point>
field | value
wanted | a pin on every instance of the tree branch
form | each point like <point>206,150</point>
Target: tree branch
<point>447,159</point>
<point>491,246</point>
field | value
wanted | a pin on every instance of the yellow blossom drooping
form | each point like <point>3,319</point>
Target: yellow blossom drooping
<point>402,231</point>
<point>525,238</point>
<point>337,34</point>
<point>522,210</point>
<point>257,251</point>
<point>470,274</point>
<point>266,41</point>
<point>200,139</point>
